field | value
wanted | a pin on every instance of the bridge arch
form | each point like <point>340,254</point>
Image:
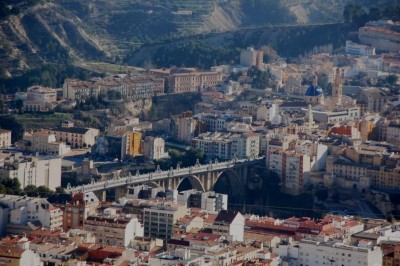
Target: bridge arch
<point>194,182</point>
<point>234,186</point>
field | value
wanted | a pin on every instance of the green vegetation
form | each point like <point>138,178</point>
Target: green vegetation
<point>261,79</point>
<point>10,186</point>
<point>194,53</point>
<point>184,159</point>
<point>47,75</point>
<point>359,15</point>
<point>168,105</point>
<point>10,123</point>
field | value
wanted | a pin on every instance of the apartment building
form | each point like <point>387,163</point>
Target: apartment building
<point>316,253</point>
<point>227,146</point>
<point>113,230</point>
<point>129,87</point>
<point>32,170</point>
<point>18,211</point>
<point>159,219</point>
<point>359,49</point>
<point>43,142</point>
<point>77,137</point>
<point>383,35</point>
<point>229,224</point>
<point>393,133</point>
<point>154,148</point>
<point>180,80</point>
<point>209,201</point>
<point>185,127</point>
<point>5,138</point>
<point>385,177</point>
<point>251,57</point>
<point>372,100</point>
<point>18,256</point>
<point>75,207</point>
<point>292,167</point>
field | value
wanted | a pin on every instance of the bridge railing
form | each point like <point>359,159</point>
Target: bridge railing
<point>118,181</point>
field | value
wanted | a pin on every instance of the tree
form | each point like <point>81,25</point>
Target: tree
<point>60,190</point>
<point>391,79</point>
<point>44,191</point>
<point>374,14</point>
<point>31,191</point>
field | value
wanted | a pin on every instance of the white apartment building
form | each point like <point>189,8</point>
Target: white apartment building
<point>227,146</point>
<point>23,209</point>
<point>159,219</point>
<point>316,151</point>
<point>44,142</point>
<point>209,201</point>
<point>251,57</point>
<point>154,148</point>
<point>246,145</point>
<point>336,116</point>
<point>229,224</point>
<point>315,253</point>
<point>359,49</point>
<point>113,230</point>
<point>5,138</point>
<point>30,170</point>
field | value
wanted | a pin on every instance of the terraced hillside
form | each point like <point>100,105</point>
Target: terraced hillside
<point>62,31</point>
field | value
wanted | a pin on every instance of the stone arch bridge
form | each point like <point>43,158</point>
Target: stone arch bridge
<point>201,177</point>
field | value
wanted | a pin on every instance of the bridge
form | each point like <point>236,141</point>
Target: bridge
<point>201,177</point>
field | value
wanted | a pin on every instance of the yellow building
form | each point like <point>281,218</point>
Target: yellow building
<point>135,144</point>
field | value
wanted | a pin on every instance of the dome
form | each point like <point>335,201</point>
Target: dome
<point>314,91</point>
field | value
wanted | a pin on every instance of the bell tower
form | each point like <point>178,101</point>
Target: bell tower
<point>337,88</point>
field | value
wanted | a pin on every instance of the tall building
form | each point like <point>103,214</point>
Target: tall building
<point>154,148</point>
<point>5,138</point>
<point>337,89</point>
<point>159,219</point>
<point>292,167</point>
<point>76,208</point>
<point>30,170</point>
<point>185,127</point>
<point>251,57</point>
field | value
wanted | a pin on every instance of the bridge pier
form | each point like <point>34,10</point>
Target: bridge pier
<point>101,195</point>
<point>120,192</point>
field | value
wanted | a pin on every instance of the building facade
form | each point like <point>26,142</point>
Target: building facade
<point>5,138</point>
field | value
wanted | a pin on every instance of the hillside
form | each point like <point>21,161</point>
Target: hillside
<point>64,31</point>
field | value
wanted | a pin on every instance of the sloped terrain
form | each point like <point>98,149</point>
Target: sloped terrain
<point>62,31</point>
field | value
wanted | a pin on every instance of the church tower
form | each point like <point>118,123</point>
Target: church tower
<point>337,88</point>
